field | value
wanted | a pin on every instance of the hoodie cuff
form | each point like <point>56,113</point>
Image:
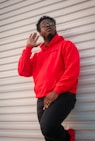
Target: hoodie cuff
<point>29,48</point>
<point>58,91</point>
<point>27,51</point>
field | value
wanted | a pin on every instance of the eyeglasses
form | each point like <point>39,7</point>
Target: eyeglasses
<point>44,25</point>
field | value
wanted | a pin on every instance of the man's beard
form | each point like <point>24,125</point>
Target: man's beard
<point>49,36</point>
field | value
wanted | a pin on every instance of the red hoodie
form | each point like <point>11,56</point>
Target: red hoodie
<point>55,68</point>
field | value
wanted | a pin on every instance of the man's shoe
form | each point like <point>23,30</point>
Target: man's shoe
<point>72,134</point>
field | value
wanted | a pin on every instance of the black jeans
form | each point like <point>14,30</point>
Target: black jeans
<point>50,119</point>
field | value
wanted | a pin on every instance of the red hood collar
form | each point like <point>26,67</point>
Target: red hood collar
<point>55,39</point>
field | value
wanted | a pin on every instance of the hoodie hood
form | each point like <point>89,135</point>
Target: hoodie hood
<point>54,40</point>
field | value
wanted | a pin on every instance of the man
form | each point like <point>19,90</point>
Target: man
<point>55,70</point>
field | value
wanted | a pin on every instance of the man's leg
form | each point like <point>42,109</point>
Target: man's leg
<point>54,115</point>
<point>40,111</point>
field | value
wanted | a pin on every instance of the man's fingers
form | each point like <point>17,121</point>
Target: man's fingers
<point>34,36</point>
<point>32,40</point>
<point>46,105</point>
<point>30,36</point>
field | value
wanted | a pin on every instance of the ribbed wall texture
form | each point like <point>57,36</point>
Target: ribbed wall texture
<point>75,21</point>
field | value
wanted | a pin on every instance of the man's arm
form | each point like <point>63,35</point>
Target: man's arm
<point>72,69</point>
<point>26,63</point>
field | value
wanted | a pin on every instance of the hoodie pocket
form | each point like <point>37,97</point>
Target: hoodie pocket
<point>43,88</point>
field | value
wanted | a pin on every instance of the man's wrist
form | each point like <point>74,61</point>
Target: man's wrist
<point>28,45</point>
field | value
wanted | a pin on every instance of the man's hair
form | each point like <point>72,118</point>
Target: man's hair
<point>43,18</point>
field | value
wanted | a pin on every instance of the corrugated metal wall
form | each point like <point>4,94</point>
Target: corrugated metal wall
<point>75,21</point>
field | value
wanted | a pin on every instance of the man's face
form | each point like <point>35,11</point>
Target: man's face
<point>47,28</point>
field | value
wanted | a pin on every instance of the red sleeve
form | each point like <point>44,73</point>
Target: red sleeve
<point>26,64</point>
<point>72,68</point>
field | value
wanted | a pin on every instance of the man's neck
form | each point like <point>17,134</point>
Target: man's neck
<point>48,39</point>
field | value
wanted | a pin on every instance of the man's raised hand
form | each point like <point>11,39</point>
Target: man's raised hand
<point>32,40</point>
